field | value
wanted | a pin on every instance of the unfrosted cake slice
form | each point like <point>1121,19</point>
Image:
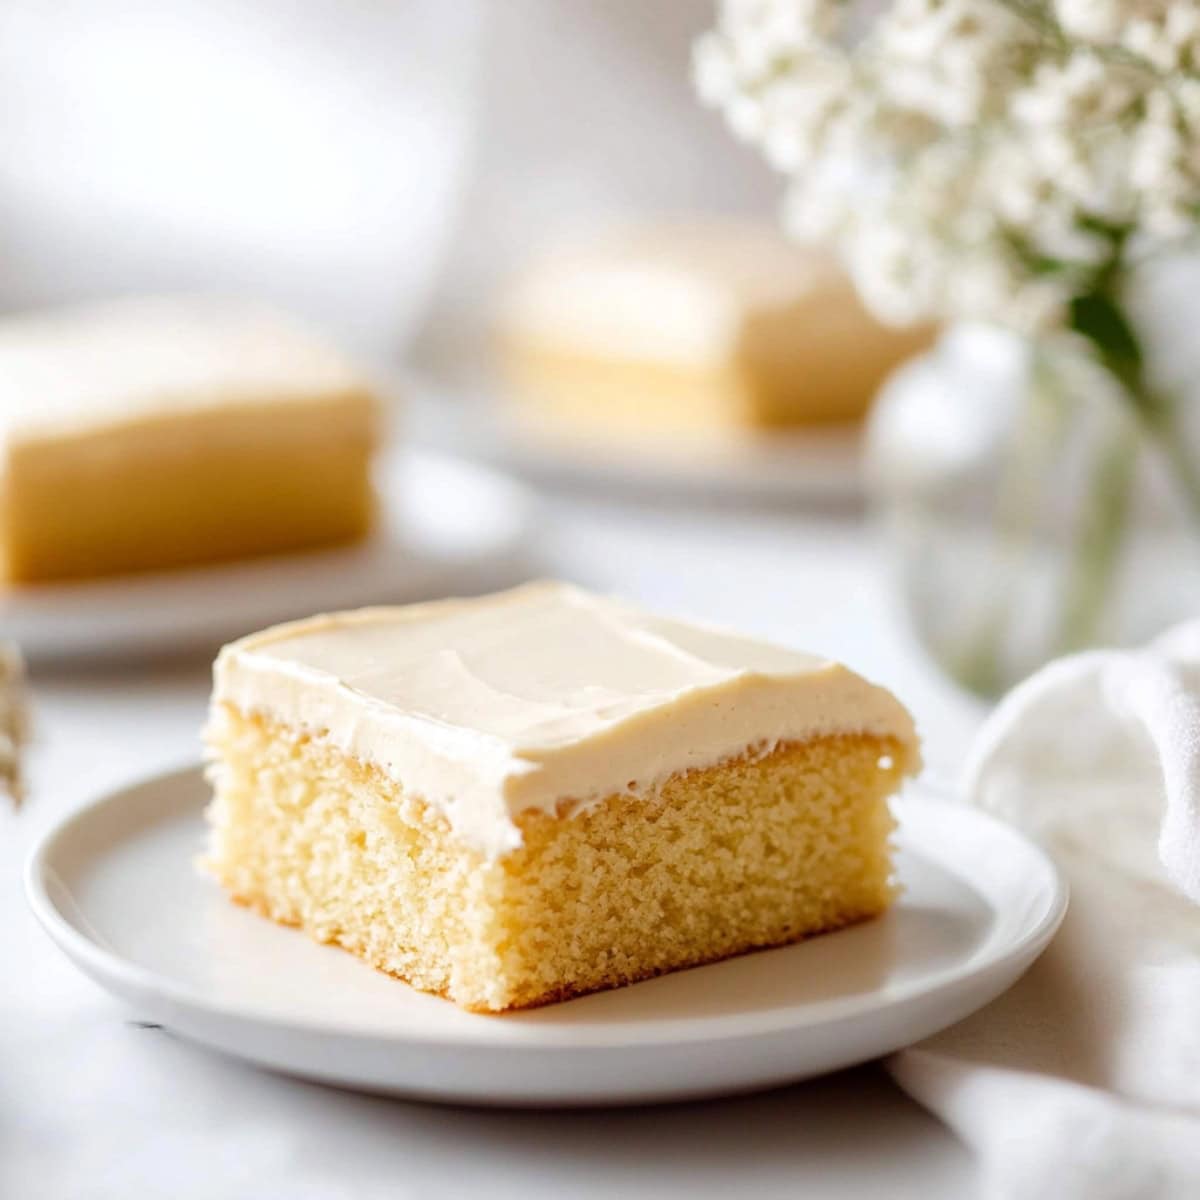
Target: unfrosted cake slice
<point>520,798</point>
<point>152,433</point>
<point>696,326</point>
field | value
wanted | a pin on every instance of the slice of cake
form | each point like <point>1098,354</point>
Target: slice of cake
<point>695,326</point>
<point>154,433</point>
<point>520,798</point>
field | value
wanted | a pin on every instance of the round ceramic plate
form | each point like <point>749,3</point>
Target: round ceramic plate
<point>116,887</point>
<point>817,466</point>
<point>447,526</point>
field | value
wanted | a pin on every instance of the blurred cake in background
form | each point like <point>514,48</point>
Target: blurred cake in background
<point>700,325</point>
<point>149,433</point>
<point>14,720</point>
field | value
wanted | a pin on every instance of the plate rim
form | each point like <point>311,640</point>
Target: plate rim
<point>750,465</point>
<point>65,601</point>
<point>100,963</point>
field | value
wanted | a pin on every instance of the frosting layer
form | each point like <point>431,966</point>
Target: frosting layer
<point>543,697</point>
<point>675,294</point>
<point>78,370</point>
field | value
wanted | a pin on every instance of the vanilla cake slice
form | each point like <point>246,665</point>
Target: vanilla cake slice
<point>153,432</point>
<point>524,797</point>
<point>694,327</point>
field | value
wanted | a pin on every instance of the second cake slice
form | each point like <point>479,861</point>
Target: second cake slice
<point>142,434</point>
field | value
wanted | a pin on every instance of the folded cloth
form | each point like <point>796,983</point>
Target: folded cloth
<point>1083,1081</point>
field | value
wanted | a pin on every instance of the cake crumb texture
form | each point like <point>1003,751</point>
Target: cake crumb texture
<point>759,851</point>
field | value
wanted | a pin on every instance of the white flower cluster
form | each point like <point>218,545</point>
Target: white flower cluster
<point>976,158</point>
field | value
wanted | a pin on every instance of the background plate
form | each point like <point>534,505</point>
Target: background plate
<point>116,888</point>
<point>821,466</point>
<point>446,527</point>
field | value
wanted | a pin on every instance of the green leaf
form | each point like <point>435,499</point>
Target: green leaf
<point>1099,318</point>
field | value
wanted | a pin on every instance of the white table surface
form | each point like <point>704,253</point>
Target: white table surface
<point>94,1106</point>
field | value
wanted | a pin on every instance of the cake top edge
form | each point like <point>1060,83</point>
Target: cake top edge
<point>540,666</point>
<point>540,594</point>
<point>538,697</point>
<point>680,291</point>
<point>92,366</point>
<point>752,261</point>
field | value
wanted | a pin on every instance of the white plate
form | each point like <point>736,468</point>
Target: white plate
<point>447,526</point>
<point>815,465</point>
<point>115,887</point>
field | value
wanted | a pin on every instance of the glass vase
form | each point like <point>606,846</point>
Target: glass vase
<point>1028,508</point>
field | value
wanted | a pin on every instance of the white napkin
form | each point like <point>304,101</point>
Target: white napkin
<point>1083,1081</point>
